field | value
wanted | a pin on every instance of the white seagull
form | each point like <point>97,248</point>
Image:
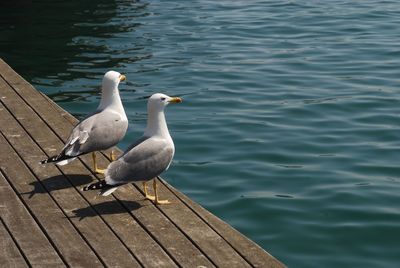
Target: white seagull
<point>101,129</point>
<point>146,158</point>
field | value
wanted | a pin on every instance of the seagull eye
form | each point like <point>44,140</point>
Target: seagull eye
<point>163,99</point>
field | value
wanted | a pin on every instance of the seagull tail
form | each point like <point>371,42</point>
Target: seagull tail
<point>105,189</point>
<point>64,162</point>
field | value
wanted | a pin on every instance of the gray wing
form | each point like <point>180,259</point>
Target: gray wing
<point>146,159</point>
<point>98,131</point>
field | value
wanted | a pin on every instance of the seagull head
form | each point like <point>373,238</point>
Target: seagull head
<point>111,79</point>
<point>158,101</point>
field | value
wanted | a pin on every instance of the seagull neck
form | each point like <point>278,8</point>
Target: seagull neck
<point>156,124</point>
<point>110,99</point>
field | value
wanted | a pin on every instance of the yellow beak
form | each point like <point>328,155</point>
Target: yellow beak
<point>175,100</point>
<point>122,77</point>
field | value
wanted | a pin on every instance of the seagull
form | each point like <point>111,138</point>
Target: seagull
<point>100,130</point>
<point>146,158</point>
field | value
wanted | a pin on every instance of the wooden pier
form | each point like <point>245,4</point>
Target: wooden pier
<point>46,220</point>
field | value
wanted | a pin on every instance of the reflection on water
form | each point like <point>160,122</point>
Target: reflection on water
<point>46,32</point>
<point>51,42</point>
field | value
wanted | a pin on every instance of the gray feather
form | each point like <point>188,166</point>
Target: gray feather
<point>99,131</point>
<point>144,160</point>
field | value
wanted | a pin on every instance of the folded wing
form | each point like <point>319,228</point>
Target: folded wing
<point>145,160</point>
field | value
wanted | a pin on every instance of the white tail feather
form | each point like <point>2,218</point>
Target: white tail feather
<point>64,162</point>
<point>109,191</point>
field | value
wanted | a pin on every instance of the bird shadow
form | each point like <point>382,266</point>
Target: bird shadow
<point>106,208</point>
<point>58,182</point>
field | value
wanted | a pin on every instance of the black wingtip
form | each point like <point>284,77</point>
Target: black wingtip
<point>52,159</point>
<point>95,186</point>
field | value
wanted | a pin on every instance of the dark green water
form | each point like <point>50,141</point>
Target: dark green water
<point>290,129</point>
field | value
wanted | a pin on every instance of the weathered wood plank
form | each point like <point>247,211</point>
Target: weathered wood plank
<point>257,256</point>
<point>10,255</point>
<point>112,253</point>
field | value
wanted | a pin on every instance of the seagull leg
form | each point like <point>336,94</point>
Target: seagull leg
<point>112,155</point>
<point>96,170</point>
<point>146,195</point>
<point>157,201</point>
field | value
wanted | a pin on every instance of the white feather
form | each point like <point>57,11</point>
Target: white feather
<point>74,140</point>
<point>64,162</point>
<point>109,191</point>
<point>83,136</point>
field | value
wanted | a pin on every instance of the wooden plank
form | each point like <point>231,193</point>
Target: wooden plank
<point>112,253</point>
<point>172,240</point>
<point>10,255</point>
<point>257,256</point>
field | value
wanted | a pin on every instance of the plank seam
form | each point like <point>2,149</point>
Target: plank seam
<point>33,217</point>
<point>13,238</point>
